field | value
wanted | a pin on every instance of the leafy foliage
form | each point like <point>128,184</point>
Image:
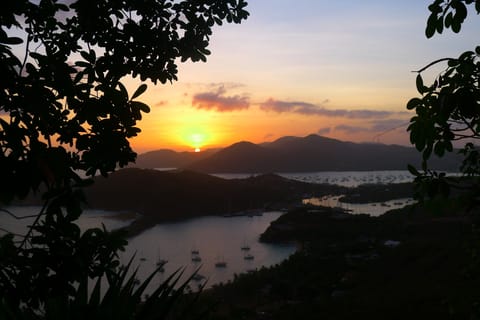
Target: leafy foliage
<point>449,110</point>
<point>64,110</point>
<point>448,14</point>
<point>124,298</point>
<point>67,88</point>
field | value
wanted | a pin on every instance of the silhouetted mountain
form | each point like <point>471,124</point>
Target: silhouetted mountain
<point>239,157</point>
<point>315,153</point>
<point>165,158</point>
<point>161,196</point>
<point>295,154</point>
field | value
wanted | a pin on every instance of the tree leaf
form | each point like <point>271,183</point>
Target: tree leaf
<point>413,170</point>
<point>141,89</point>
<point>448,20</point>
<point>413,103</point>
<point>456,25</point>
<point>85,55</point>
<point>439,149</point>
<point>420,87</point>
<point>13,40</point>
<point>431,25</point>
<point>142,106</point>
<point>461,11</point>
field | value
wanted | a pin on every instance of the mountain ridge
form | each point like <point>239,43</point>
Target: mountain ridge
<point>167,158</point>
<point>301,154</point>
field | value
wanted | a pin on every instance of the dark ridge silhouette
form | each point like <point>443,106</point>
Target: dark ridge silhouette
<point>164,196</point>
<point>165,158</point>
<point>315,153</point>
<point>292,142</point>
<point>239,157</point>
<point>280,141</point>
<point>296,154</point>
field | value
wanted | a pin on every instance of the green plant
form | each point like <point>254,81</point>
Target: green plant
<point>448,111</point>
<point>64,110</point>
<point>124,298</point>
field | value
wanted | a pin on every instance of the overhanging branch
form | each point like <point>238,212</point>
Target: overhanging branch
<point>431,64</point>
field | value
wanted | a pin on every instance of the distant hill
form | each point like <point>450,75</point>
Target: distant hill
<point>315,153</point>
<point>239,157</point>
<point>165,158</point>
<point>296,154</point>
<point>164,196</point>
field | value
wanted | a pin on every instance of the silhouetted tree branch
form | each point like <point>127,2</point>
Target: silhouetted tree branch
<point>64,110</point>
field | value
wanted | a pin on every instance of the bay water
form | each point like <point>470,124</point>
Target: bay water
<point>200,243</point>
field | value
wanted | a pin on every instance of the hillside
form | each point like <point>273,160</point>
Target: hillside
<point>164,196</point>
<point>407,264</point>
<point>165,158</point>
<point>314,153</point>
<point>295,154</point>
<point>239,158</point>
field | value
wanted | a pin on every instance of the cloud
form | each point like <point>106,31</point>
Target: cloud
<point>218,100</point>
<point>351,129</point>
<point>269,136</point>
<point>378,126</point>
<point>388,124</point>
<point>226,85</point>
<point>161,103</point>
<point>306,108</point>
<point>283,106</point>
<point>323,131</point>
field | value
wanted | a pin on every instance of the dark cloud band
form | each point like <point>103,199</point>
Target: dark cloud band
<point>218,100</point>
<point>306,108</point>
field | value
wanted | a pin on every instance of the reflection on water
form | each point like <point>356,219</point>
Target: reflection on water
<point>344,178</point>
<point>213,239</point>
<point>373,209</point>
<point>219,239</point>
<point>353,178</point>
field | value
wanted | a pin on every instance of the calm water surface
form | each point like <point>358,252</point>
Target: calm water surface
<point>216,239</point>
<point>343,178</point>
<point>347,179</point>
<point>373,209</point>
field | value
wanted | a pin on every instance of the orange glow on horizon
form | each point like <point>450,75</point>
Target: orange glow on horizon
<point>175,123</point>
<point>180,127</point>
<point>195,137</point>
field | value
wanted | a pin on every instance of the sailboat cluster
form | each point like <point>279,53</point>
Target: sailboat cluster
<point>196,258</point>
<point>247,256</point>
<point>220,262</point>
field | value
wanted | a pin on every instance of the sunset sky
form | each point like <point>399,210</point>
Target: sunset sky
<point>341,69</point>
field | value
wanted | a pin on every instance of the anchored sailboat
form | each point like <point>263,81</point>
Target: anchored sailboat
<point>221,263</point>
<point>248,257</point>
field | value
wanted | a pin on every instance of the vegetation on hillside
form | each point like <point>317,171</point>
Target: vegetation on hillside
<point>416,263</point>
<point>407,264</point>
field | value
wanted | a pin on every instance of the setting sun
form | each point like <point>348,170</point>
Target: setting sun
<point>195,137</point>
<point>340,88</point>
